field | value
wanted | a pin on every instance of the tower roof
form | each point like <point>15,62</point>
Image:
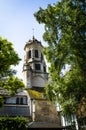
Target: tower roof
<point>33,41</point>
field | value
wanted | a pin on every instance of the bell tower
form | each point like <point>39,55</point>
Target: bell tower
<point>34,67</point>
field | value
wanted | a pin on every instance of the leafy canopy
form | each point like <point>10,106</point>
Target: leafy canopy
<point>65,33</point>
<point>8,58</point>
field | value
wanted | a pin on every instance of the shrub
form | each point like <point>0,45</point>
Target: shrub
<point>13,123</point>
<point>1,101</point>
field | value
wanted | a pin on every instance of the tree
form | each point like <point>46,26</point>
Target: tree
<point>8,58</point>
<point>65,33</point>
<point>15,83</point>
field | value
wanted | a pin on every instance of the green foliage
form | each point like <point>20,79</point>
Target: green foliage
<point>65,33</point>
<point>49,91</point>
<point>12,84</point>
<point>1,101</point>
<point>35,94</point>
<point>8,57</point>
<point>82,122</point>
<point>13,123</point>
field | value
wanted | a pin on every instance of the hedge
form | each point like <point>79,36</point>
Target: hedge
<point>13,123</point>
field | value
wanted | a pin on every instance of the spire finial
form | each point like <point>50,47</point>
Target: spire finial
<point>33,34</point>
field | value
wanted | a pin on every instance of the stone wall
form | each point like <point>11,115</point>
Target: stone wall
<point>45,112</point>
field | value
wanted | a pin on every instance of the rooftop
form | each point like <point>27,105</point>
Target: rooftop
<point>34,40</point>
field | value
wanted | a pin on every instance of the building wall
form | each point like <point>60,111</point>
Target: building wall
<point>18,105</point>
<point>38,81</point>
<point>15,110</point>
<point>44,111</point>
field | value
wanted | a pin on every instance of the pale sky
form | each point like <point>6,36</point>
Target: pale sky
<point>17,22</point>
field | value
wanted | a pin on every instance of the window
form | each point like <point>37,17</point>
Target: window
<point>37,67</point>
<point>21,100</point>
<point>36,53</point>
<point>4,100</point>
<point>44,69</point>
<point>17,100</point>
<point>29,54</point>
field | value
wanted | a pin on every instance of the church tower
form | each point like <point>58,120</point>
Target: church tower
<point>34,67</point>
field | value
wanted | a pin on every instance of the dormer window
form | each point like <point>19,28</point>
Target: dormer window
<point>36,54</point>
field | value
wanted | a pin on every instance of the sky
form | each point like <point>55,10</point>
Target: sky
<point>17,23</point>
